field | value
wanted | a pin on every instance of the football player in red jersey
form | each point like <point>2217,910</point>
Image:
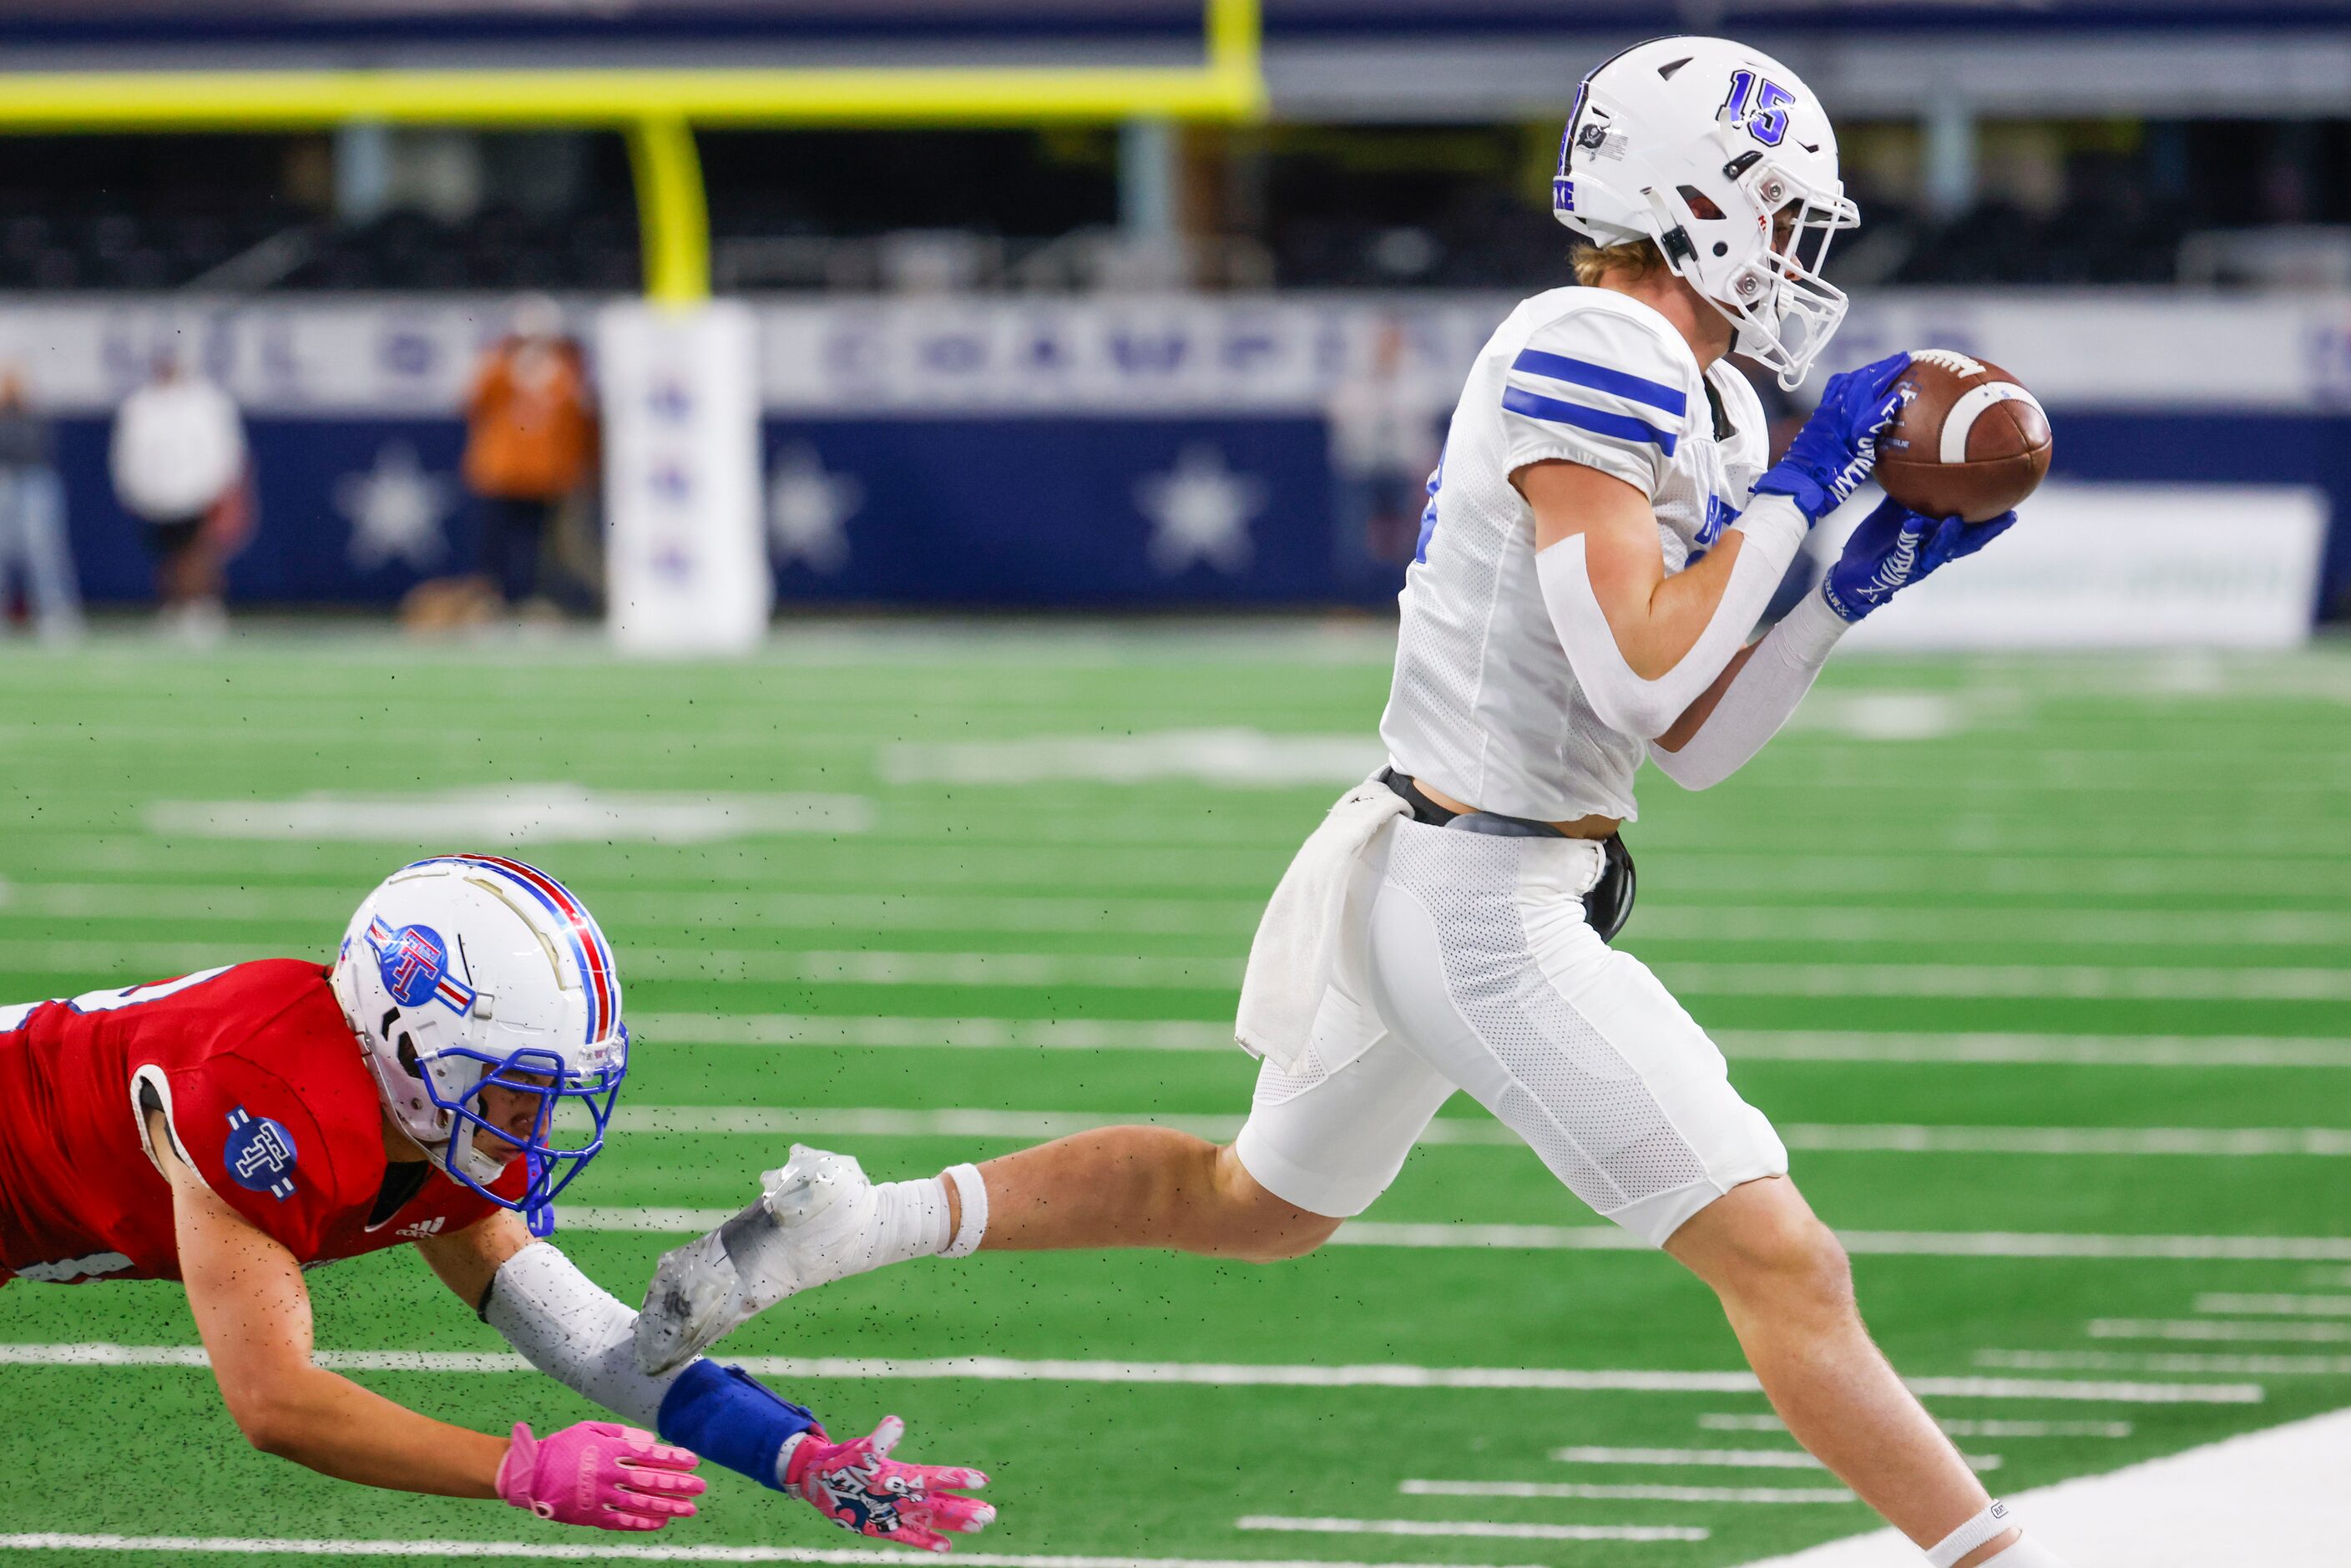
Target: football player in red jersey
<point>438,1084</point>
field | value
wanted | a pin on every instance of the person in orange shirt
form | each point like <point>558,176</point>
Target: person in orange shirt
<point>530,442</point>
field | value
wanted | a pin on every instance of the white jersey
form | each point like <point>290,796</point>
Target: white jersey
<point>1485,706</point>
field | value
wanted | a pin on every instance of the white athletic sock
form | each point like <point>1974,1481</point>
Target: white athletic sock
<point>2026,1553</point>
<point>910,1221</point>
<point>972,1190</point>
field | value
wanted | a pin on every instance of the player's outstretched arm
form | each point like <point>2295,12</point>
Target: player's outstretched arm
<point>253,1310</point>
<point>1892,550</point>
<point>1645,647</point>
<point>574,1330</point>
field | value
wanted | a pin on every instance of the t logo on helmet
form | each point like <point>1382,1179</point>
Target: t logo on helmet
<point>413,960</point>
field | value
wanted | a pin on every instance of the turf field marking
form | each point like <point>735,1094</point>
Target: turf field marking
<point>2166,1361</point>
<point>1756,1045</point>
<point>1472,1528</point>
<point>876,1122</point>
<point>1715,1422</point>
<point>1220,1374</point>
<point>578,1552</point>
<point>554,812</point>
<point>2277,1305</point>
<point>1609,1238</point>
<point>735,910</point>
<point>2086,982</point>
<point>2269,1330</point>
<point>1625,1493</point>
<point>2063,1050</point>
<point>1721,1458</point>
<point>621,907</point>
<point>964,1033</point>
<point>1229,758</point>
<point>2271,1498</point>
<point>2198,929</point>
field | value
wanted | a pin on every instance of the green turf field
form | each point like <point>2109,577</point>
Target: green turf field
<point>2009,949</point>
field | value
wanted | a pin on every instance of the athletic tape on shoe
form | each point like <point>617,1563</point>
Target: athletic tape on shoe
<point>1992,1521</point>
<point>973,1223</point>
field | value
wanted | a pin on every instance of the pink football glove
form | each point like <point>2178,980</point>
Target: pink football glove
<point>601,1474</point>
<point>859,1487</point>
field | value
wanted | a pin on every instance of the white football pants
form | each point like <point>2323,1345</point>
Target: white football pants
<point>1482,975</point>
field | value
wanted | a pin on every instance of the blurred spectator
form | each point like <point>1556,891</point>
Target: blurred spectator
<point>1383,446</point>
<point>33,550</point>
<point>179,466</point>
<point>530,445</point>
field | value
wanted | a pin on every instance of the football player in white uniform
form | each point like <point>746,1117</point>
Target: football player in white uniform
<point>1602,536</point>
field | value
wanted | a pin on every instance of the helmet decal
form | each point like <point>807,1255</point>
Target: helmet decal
<point>414,963</point>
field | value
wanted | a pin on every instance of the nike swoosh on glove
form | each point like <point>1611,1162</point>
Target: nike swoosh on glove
<point>1838,445</point>
<point>859,1486</point>
<point>1895,547</point>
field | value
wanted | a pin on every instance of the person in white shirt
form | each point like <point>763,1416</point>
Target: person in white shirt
<point>1602,536</point>
<point>178,459</point>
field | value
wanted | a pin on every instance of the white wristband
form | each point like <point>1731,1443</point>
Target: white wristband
<point>1992,1521</point>
<point>972,1224</point>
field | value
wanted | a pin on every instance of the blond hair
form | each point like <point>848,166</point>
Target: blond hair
<point>1630,261</point>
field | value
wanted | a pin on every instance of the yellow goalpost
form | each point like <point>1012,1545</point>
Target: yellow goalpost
<point>656,108</point>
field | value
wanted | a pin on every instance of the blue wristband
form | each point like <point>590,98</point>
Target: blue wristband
<point>731,1419</point>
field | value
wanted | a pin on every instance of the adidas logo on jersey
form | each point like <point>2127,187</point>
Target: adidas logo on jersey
<point>422,1228</point>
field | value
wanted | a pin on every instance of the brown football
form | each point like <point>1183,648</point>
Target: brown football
<point>1971,442</point>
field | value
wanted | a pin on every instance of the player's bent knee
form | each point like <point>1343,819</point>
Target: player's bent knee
<point>1258,1227</point>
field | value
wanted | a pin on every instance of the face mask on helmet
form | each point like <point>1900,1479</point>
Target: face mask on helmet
<point>487,1007</point>
<point>1753,248</point>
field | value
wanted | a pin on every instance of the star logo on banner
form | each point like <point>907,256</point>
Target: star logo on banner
<point>808,510</point>
<point>1200,512</point>
<point>396,510</point>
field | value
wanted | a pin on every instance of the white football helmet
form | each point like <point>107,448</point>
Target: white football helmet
<point>465,970</point>
<point>1678,128</point>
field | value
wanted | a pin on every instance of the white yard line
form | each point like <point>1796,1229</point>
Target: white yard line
<point>581,1551</point>
<point>2187,1363</point>
<point>2221,1330</point>
<point>2274,1498</point>
<point>879,1121</point>
<point>1715,1422</point>
<point>1720,1459</point>
<point>2291,1306</point>
<point>726,911</point>
<point>1220,1374</point>
<point>1472,1528</point>
<point>1610,1239</point>
<point>966,1033</point>
<point>2065,1049</point>
<point>2089,982</point>
<point>765,965</point>
<point>2204,929</point>
<point>671,1029</point>
<point>1627,1492</point>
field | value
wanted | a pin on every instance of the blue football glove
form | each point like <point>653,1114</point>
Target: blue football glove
<point>1895,547</point>
<point>1838,445</point>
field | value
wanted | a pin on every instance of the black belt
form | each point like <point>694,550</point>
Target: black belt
<point>1606,908</point>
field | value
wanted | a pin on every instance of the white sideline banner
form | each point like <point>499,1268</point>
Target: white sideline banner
<point>687,565</point>
<point>2118,566</point>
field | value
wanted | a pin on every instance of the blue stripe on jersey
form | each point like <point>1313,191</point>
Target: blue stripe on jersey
<point>1599,377</point>
<point>1622,426</point>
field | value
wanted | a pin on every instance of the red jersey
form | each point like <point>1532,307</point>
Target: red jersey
<point>269,1101</point>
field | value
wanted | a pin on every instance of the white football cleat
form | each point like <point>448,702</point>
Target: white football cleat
<point>813,1223</point>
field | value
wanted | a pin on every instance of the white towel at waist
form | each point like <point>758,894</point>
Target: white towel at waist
<point>1297,939</point>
